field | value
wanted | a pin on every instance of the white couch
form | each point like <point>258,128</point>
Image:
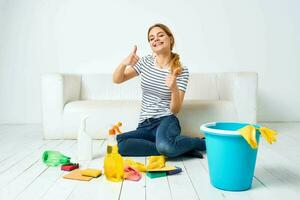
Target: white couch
<point>209,97</point>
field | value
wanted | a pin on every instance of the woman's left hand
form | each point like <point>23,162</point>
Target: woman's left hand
<point>171,80</point>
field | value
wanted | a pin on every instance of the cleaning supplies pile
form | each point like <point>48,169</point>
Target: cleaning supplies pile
<point>116,169</point>
<point>55,158</point>
<point>113,163</point>
<point>249,134</point>
<point>156,168</point>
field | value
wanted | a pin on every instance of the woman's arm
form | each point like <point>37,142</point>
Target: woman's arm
<point>177,95</point>
<point>124,73</point>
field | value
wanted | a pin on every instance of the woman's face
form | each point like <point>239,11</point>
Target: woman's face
<point>159,41</point>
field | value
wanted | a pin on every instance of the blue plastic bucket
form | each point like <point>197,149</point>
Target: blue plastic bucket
<point>231,160</point>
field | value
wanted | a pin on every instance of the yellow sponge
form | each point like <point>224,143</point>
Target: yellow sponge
<point>91,172</point>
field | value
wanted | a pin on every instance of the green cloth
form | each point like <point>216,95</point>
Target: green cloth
<point>55,158</point>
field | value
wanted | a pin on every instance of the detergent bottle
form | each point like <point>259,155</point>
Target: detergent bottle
<point>113,161</point>
<point>84,142</point>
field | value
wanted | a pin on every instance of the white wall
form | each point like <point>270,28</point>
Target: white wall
<point>40,36</point>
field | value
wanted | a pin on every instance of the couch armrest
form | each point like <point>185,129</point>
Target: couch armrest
<point>72,87</point>
<point>57,90</point>
<point>241,89</point>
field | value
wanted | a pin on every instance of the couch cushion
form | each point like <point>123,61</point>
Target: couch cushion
<point>195,113</point>
<point>104,113</point>
<point>101,87</point>
<point>202,87</point>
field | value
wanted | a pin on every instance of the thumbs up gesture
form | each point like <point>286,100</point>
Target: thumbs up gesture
<point>132,59</point>
<point>171,79</point>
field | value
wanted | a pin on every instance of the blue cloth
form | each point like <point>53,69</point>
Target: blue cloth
<point>158,136</point>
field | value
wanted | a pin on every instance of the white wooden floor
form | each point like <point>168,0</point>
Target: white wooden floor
<point>24,176</point>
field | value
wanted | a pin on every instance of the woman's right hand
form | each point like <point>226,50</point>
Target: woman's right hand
<point>132,59</point>
<point>124,73</point>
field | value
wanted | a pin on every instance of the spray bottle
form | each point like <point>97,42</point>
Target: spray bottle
<point>84,142</point>
<point>113,161</point>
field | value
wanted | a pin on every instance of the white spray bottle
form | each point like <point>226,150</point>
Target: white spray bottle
<point>84,142</point>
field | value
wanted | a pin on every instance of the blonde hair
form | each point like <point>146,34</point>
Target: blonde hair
<point>175,59</point>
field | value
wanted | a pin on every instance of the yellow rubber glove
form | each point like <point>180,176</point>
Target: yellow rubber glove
<point>156,162</point>
<point>249,133</point>
<point>136,165</point>
<point>268,134</point>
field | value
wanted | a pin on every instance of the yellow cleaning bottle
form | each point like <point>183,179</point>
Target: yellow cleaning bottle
<point>113,161</point>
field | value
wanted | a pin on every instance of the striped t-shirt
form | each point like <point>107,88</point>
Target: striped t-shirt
<point>156,96</point>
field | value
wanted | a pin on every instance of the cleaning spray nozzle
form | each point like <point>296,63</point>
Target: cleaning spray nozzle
<point>111,131</point>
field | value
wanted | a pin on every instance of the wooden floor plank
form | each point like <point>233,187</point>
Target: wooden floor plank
<point>64,188</point>
<point>98,188</point>
<point>200,179</point>
<point>134,189</point>
<point>157,188</point>
<point>24,176</point>
<point>24,173</point>
<point>277,173</point>
<point>46,179</point>
<point>180,184</point>
<point>17,168</point>
<point>20,153</point>
<point>16,140</point>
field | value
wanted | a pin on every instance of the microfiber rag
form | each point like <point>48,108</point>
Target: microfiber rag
<point>131,174</point>
<point>249,133</point>
<point>156,162</point>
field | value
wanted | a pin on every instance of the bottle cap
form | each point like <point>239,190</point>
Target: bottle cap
<point>109,149</point>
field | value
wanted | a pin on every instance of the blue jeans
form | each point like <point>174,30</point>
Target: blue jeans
<point>160,136</point>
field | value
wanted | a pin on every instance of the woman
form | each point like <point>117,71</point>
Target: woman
<point>163,81</point>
